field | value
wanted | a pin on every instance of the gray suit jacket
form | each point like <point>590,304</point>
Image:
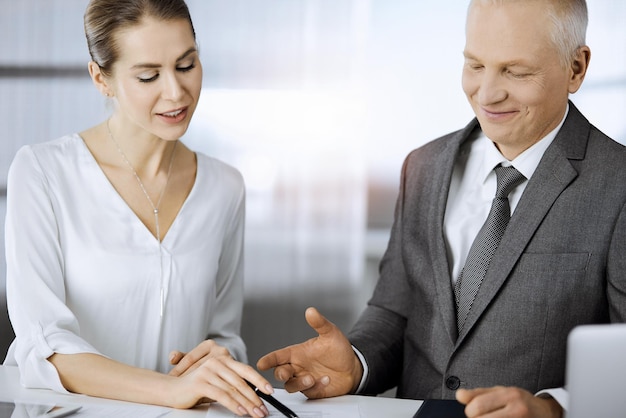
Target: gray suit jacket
<point>561,263</point>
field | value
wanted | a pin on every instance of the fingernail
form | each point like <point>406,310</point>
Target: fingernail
<point>308,381</point>
<point>258,413</point>
<point>269,389</point>
<point>172,357</point>
<point>325,380</point>
<point>265,410</point>
<point>242,410</point>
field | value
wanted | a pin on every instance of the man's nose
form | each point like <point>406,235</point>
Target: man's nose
<point>492,89</point>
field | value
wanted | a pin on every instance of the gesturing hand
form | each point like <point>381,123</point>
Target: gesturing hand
<point>321,367</point>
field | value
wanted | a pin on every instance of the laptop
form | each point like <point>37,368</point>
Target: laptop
<point>596,371</point>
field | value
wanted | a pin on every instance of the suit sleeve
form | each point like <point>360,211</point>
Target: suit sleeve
<point>379,332</point>
<point>616,270</point>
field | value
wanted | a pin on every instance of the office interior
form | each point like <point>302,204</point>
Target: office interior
<point>316,102</point>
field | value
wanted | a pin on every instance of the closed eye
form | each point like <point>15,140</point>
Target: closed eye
<point>187,68</point>
<point>517,75</point>
<point>474,67</point>
<point>148,79</point>
<point>154,77</point>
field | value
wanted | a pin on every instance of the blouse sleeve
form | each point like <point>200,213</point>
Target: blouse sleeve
<point>42,322</point>
<point>225,325</point>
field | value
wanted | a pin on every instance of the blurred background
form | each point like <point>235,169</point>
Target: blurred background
<point>316,102</point>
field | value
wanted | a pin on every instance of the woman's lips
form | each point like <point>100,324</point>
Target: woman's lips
<point>174,116</point>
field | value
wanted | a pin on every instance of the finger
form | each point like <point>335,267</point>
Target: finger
<point>233,387</point>
<point>175,357</point>
<point>284,372</point>
<point>284,356</point>
<point>275,358</point>
<point>319,389</point>
<point>465,396</point>
<point>237,375</point>
<point>246,372</point>
<point>318,322</point>
<point>242,393</point>
<point>194,358</point>
<point>300,383</point>
<point>226,398</point>
<point>184,365</point>
<point>493,400</point>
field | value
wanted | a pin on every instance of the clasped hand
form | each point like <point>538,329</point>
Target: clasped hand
<point>209,373</point>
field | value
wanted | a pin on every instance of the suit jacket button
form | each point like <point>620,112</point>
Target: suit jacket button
<point>453,382</point>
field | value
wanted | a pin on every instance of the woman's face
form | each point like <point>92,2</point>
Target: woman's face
<point>157,78</point>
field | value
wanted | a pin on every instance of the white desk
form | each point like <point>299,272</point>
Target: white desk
<point>370,407</point>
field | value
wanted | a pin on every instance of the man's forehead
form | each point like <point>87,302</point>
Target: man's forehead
<point>509,27</point>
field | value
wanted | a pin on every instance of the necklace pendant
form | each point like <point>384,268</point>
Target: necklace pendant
<point>156,211</point>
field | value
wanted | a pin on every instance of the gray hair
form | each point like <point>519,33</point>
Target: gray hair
<point>569,24</point>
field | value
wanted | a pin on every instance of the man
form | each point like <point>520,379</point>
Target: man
<point>559,263</point>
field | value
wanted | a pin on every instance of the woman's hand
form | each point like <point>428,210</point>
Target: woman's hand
<point>185,362</point>
<point>218,377</point>
<point>209,373</point>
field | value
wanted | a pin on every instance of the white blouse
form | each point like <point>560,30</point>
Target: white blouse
<point>84,275</point>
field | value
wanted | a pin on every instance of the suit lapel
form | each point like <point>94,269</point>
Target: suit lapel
<point>442,177</point>
<point>554,173</point>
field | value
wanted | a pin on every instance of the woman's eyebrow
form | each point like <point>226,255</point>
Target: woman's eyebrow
<point>150,65</point>
<point>186,53</point>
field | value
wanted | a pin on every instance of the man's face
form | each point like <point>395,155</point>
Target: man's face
<point>512,76</point>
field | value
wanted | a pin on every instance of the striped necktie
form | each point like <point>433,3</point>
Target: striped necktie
<point>485,243</point>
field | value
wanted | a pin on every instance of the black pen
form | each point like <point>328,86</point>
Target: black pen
<point>274,402</point>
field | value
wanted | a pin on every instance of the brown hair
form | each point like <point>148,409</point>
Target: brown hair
<point>105,18</point>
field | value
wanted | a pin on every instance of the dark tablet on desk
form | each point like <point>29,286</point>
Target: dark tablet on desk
<point>440,408</point>
<point>25,409</point>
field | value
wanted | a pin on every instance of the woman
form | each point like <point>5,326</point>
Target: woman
<point>122,244</point>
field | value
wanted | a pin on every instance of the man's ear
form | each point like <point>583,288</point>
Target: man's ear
<point>99,79</point>
<point>579,68</point>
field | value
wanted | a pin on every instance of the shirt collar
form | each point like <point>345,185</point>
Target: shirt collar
<point>526,163</point>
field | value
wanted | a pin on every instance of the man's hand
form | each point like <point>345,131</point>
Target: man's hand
<point>321,367</point>
<point>507,402</point>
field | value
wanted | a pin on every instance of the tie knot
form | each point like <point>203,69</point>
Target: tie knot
<point>508,179</point>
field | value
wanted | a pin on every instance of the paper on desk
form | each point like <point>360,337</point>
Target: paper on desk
<point>121,411</point>
<point>30,409</point>
<point>298,404</point>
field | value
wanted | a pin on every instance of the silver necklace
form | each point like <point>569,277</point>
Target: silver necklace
<point>155,208</point>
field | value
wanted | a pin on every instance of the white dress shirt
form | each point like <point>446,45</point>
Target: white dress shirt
<point>473,187</point>
<point>83,272</point>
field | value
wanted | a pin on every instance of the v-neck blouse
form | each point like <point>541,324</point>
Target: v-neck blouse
<point>83,271</point>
